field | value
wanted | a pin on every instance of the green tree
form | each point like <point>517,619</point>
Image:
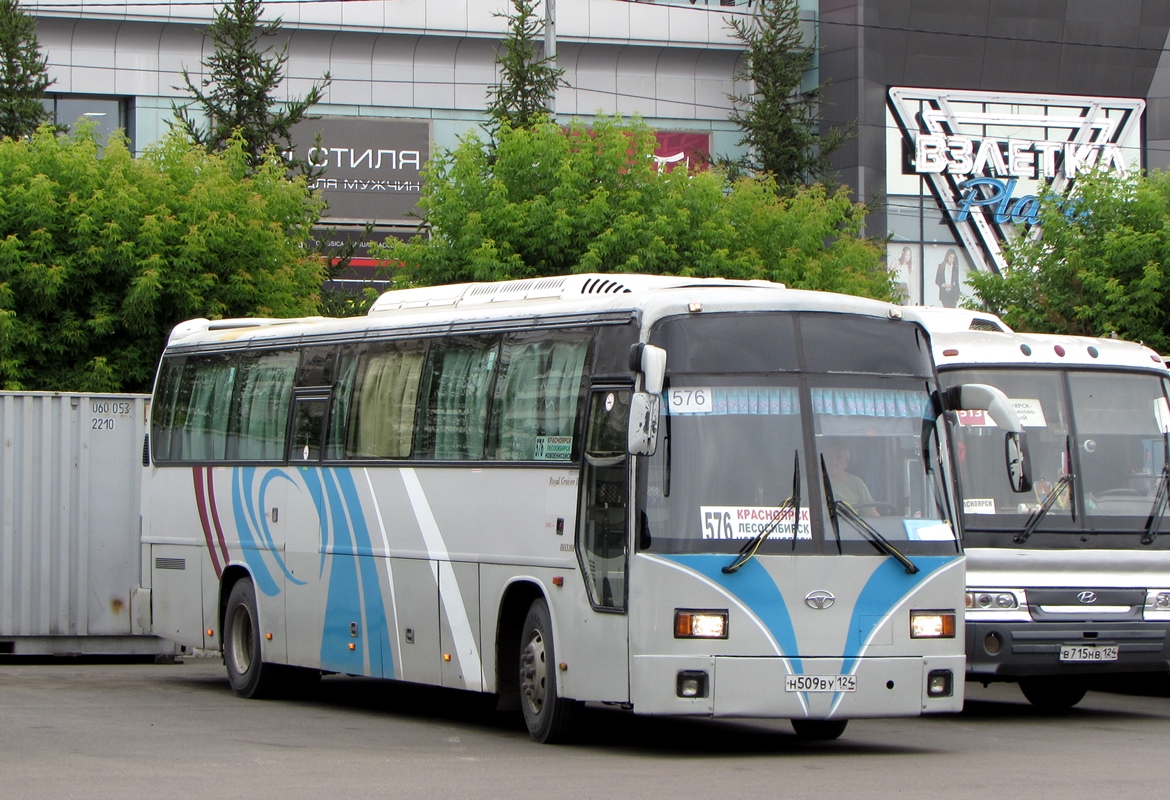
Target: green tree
<point>238,90</point>
<point>549,201</point>
<point>102,254</point>
<point>24,74</point>
<point>528,79</point>
<point>779,119</point>
<point>1099,267</point>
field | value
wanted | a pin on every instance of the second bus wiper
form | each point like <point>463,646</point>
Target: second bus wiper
<point>793,502</point>
<point>841,509</point>
<point>1154,522</point>
<point>1065,482</point>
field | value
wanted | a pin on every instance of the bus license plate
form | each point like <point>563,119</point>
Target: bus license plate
<point>1088,652</point>
<point>820,683</point>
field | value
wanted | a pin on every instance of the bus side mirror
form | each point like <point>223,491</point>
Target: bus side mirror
<point>642,438</point>
<point>1018,461</point>
<point>981,397</point>
<point>651,362</point>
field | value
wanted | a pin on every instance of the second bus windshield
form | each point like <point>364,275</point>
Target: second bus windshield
<point>1096,438</point>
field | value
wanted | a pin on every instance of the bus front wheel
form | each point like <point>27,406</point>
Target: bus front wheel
<point>819,730</point>
<point>549,716</point>
<point>1053,695</point>
<point>248,675</point>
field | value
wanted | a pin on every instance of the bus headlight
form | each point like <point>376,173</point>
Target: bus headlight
<point>1158,600</point>
<point>932,624</point>
<point>996,599</point>
<point>694,624</point>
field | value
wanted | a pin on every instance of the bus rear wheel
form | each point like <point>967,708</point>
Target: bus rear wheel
<point>1053,695</point>
<point>819,730</point>
<point>549,717</point>
<point>248,675</point>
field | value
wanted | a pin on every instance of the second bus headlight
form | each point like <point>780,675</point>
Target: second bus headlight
<point>695,624</point>
<point>932,624</point>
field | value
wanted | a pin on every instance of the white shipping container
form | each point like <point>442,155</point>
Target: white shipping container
<point>70,500</point>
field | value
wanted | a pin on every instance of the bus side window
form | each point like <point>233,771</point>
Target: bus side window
<point>605,512</point>
<point>383,400</point>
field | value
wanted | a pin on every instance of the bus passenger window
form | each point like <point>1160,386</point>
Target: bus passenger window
<point>538,392</point>
<point>456,395</point>
<point>260,405</point>
<point>381,422</point>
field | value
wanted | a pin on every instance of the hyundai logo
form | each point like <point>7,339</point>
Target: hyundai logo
<point>819,599</point>
<point>1087,597</point>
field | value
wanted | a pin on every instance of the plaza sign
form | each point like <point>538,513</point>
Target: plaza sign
<point>975,153</point>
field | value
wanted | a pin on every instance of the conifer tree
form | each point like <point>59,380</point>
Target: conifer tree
<point>528,79</point>
<point>781,121</point>
<point>23,73</point>
<point>238,88</point>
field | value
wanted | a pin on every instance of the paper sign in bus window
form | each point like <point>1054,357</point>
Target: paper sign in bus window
<point>744,522</point>
<point>978,505</point>
<point>553,448</point>
<point>1030,412</point>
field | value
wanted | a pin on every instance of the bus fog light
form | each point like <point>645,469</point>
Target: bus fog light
<point>992,643</point>
<point>932,624</point>
<point>940,683</point>
<point>1159,600</point>
<point>692,683</point>
<point>690,624</point>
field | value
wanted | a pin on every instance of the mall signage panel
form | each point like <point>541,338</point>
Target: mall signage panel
<point>986,155</point>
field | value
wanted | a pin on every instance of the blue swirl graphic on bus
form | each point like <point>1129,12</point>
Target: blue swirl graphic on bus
<point>755,588</point>
<point>886,587</point>
<point>249,508</point>
<point>354,588</point>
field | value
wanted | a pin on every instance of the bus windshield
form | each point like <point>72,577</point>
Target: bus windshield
<point>740,450</point>
<point>1098,442</point>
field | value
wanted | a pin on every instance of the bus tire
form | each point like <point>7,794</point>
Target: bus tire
<point>248,675</point>
<point>819,730</point>
<point>1054,695</point>
<point>548,716</point>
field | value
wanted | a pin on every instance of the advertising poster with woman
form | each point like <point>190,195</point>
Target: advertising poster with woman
<point>901,261</point>
<point>946,271</point>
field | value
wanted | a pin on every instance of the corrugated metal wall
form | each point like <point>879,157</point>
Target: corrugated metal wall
<point>70,491</point>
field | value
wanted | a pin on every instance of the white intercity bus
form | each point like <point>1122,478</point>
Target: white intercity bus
<point>678,496</point>
<point>1073,580</point>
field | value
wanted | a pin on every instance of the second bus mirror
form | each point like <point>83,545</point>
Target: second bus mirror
<point>642,439</point>
<point>1018,467</point>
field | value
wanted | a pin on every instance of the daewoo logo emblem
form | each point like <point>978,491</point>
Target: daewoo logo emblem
<point>1087,597</point>
<point>819,599</point>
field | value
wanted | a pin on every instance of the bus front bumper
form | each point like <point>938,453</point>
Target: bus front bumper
<point>1011,650</point>
<point>806,688</point>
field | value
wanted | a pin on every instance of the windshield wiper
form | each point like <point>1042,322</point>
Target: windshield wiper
<point>841,509</point>
<point>793,502</point>
<point>1159,508</point>
<point>1065,482</point>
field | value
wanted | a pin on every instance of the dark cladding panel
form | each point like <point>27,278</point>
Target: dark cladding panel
<point>1031,68</point>
<point>968,17</point>
<point>1104,71</point>
<point>1035,20</point>
<point>944,60</point>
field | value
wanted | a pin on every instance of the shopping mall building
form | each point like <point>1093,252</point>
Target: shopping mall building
<point>963,108</point>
